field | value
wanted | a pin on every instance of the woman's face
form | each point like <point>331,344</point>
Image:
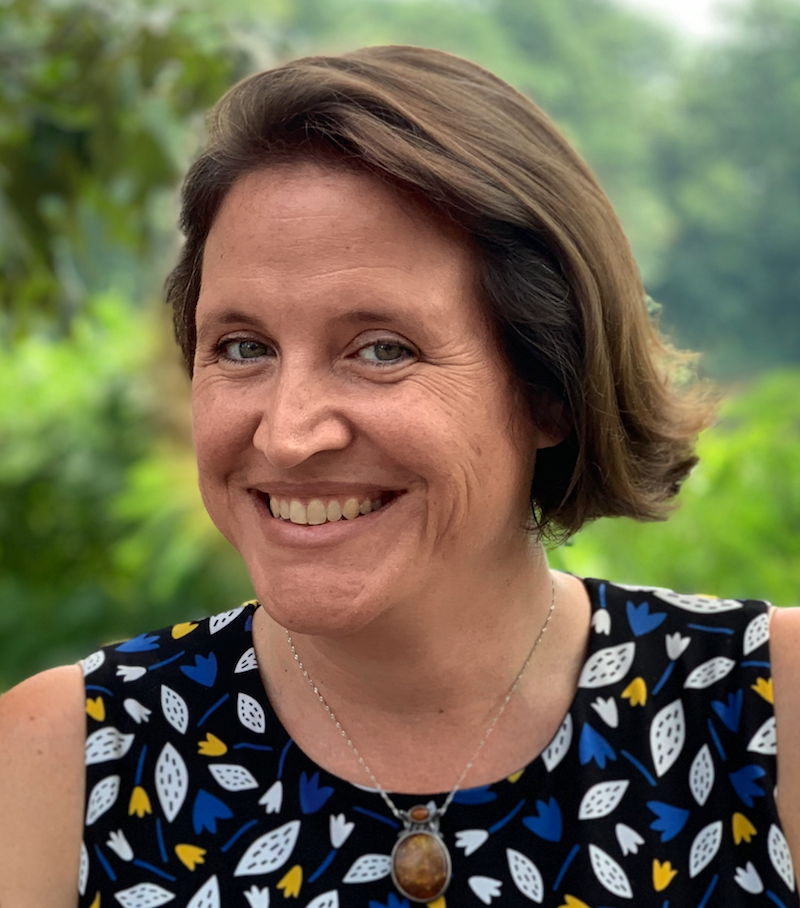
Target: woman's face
<point>342,363</point>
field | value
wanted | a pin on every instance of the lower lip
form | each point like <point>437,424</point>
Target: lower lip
<point>284,532</point>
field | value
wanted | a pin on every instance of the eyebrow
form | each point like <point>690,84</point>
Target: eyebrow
<point>363,316</point>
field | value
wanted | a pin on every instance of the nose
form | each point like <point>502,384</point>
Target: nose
<point>302,416</point>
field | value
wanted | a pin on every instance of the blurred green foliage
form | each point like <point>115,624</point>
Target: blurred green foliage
<point>102,533</point>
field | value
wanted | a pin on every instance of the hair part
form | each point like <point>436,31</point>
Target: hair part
<point>554,269</point>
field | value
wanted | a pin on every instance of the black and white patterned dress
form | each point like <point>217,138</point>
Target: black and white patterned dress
<point>657,790</point>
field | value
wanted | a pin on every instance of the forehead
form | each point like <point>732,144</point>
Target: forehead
<point>301,240</point>
<point>282,211</point>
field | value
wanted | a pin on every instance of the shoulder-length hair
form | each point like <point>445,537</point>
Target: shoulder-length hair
<point>553,267</point>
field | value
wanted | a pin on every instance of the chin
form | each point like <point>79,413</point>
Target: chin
<point>319,606</point>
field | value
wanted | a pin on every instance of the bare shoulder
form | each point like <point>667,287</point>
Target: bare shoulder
<point>784,648</point>
<point>42,732</point>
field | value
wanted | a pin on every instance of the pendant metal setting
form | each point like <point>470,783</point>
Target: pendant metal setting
<point>421,863</point>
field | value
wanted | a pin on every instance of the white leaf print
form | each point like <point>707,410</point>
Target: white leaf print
<point>629,839</point>
<point>764,741</point>
<point>701,775</point>
<point>609,873</point>
<point>175,710</point>
<point>120,845</point>
<point>340,830</point>
<point>525,875</point>
<point>218,622</point>
<point>780,856</point>
<point>172,781</point>
<point>233,777</point>
<point>747,877</point>
<point>607,666</point>
<point>601,621</point>
<point>756,634</point>
<point>703,605</point>
<point>471,840</point>
<point>247,662</point>
<point>145,895</point>
<point>602,799</point>
<point>704,847</point>
<point>130,672</point>
<point>709,673</point>
<point>269,851</point>
<point>207,896</point>
<point>92,663</point>
<point>257,898</point>
<point>136,711</point>
<point>251,713</point>
<point>485,887</point>
<point>273,797</point>
<point>667,736</point>
<point>103,797</point>
<point>607,710</point>
<point>326,900</point>
<point>557,749</point>
<point>107,744</point>
<point>369,867</point>
<point>676,645</point>
<point>83,873</point>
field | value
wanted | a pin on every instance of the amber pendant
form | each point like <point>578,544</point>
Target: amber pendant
<point>421,865</point>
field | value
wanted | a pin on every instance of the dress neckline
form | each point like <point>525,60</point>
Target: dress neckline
<point>597,594</point>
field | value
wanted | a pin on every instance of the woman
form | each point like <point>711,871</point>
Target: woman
<point>418,345</point>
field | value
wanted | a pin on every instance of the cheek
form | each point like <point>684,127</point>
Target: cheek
<point>221,431</point>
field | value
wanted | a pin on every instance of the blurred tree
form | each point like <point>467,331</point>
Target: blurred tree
<point>736,530</point>
<point>95,104</point>
<point>101,526</point>
<point>728,164</point>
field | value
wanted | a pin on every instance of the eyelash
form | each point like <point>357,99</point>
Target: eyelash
<point>408,352</point>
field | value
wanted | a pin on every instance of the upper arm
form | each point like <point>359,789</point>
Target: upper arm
<point>784,648</point>
<point>42,734</point>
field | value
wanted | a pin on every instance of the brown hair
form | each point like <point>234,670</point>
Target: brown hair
<point>554,268</point>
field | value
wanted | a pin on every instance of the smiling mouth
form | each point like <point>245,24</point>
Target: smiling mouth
<point>318,511</point>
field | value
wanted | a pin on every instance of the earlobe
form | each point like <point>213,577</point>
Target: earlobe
<point>552,423</point>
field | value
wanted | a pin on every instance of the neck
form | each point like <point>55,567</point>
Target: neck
<point>461,645</point>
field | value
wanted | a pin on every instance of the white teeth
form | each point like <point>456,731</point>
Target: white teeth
<point>317,513</point>
<point>297,512</point>
<point>350,509</point>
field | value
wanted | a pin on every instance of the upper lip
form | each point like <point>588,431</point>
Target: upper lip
<point>321,490</point>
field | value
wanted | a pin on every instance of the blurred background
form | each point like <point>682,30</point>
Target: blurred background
<point>688,113</point>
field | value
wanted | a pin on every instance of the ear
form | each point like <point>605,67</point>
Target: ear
<point>552,422</point>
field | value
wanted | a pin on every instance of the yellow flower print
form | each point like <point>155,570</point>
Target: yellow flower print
<point>516,776</point>
<point>212,746</point>
<point>181,630</point>
<point>439,903</point>
<point>743,829</point>
<point>763,687</point>
<point>96,709</point>
<point>140,802</point>
<point>96,902</point>
<point>190,855</point>
<point>663,875</point>
<point>291,882</point>
<point>571,902</point>
<point>636,692</point>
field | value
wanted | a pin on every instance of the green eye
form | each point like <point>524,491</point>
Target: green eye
<point>240,350</point>
<point>385,352</point>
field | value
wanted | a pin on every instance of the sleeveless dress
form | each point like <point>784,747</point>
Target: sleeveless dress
<point>657,790</point>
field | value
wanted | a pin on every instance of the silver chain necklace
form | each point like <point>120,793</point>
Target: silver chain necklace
<point>420,862</point>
